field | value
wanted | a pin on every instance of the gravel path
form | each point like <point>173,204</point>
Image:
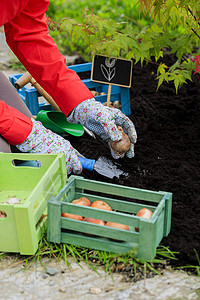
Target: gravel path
<point>59,281</point>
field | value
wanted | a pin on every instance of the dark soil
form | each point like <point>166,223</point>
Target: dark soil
<point>167,153</point>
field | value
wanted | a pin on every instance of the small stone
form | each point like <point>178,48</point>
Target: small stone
<point>95,290</point>
<point>51,283</point>
<point>127,269</point>
<point>109,288</point>
<point>62,290</point>
<point>51,271</point>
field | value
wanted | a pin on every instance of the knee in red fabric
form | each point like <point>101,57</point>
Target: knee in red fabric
<point>14,126</point>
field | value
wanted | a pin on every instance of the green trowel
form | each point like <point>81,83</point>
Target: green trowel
<point>57,122</point>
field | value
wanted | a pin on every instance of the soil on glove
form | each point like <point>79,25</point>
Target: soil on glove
<point>167,153</point>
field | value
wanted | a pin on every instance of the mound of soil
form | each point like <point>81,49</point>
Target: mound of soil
<point>167,155</point>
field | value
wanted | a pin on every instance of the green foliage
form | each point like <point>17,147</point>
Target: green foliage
<point>111,9</point>
<point>109,37</point>
<point>119,11</point>
<point>173,14</point>
<point>108,30</point>
<point>178,73</point>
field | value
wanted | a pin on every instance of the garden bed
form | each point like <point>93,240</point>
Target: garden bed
<point>167,155</point>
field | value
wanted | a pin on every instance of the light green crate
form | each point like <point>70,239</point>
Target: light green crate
<point>125,202</point>
<point>22,228</point>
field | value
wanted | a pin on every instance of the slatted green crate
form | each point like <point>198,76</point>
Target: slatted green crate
<point>125,202</point>
<point>22,227</point>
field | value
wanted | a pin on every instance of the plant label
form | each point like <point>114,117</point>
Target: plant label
<point>113,71</point>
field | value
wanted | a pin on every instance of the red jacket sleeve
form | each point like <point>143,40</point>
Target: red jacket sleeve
<point>28,37</point>
<point>14,126</point>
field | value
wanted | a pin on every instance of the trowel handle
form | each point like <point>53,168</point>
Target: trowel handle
<point>23,80</point>
<point>87,163</point>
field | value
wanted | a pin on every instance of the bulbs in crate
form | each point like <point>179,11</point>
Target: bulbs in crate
<point>117,225</point>
<point>144,213</point>
<point>101,205</point>
<point>82,201</point>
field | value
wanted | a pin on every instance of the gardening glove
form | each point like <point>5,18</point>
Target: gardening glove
<point>42,140</point>
<point>103,121</point>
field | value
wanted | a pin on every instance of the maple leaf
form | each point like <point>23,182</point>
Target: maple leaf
<point>197,59</point>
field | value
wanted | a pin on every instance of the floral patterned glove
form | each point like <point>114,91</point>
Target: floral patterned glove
<point>103,121</point>
<point>42,140</point>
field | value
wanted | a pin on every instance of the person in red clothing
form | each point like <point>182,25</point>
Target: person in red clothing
<point>28,37</point>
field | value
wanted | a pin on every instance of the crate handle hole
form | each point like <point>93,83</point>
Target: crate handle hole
<point>26,163</point>
<point>3,214</point>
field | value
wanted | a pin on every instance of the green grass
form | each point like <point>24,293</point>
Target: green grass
<point>110,262</point>
<point>192,268</point>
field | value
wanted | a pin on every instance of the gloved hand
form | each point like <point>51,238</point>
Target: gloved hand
<point>42,140</point>
<point>103,121</point>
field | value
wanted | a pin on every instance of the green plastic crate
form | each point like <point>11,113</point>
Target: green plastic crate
<point>22,228</point>
<point>125,202</point>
